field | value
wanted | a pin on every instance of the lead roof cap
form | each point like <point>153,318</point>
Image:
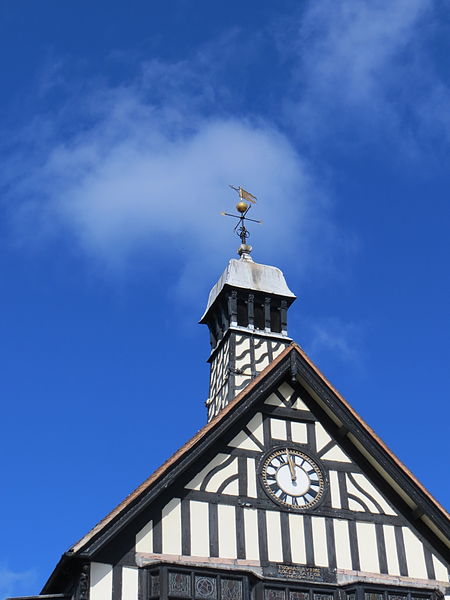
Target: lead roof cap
<point>246,274</point>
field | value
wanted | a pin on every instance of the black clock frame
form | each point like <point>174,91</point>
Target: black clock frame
<point>311,455</point>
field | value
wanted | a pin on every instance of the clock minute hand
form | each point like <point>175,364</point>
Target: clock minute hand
<point>291,466</point>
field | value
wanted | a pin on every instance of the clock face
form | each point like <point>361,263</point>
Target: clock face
<point>292,478</point>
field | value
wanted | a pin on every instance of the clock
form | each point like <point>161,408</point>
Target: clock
<point>292,478</point>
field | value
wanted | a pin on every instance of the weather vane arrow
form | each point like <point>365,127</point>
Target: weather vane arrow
<point>243,207</point>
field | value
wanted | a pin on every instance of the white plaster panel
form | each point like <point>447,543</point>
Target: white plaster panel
<point>336,453</point>
<point>273,400</point>
<point>274,545</point>
<point>240,379</point>
<point>415,558</point>
<point>355,506</point>
<point>299,405</point>
<point>251,478</point>
<point>101,581</point>
<point>319,541</point>
<point>144,538</point>
<point>256,428</point>
<point>440,570</point>
<point>278,352</point>
<point>171,527</point>
<point>278,429</point>
<point>130,585</point>
<point>334,489</point>
<point>368,547</point>
<point>251,534</point>
<point>285,389</point>
<point>199,512</point>
<point>260,351</point>
<point>391,550</point>
<point>243,353</point>
<point>299,432</point>
<point>243,441</point>
<point>372,491</point>
<point>297,535</point>
<point>243,343</point>
<point>342,542</point>
<point>232,489</point>
<point>196,482</point>
<point>322,437</point>
<point>353,490</point>
<point>227,531</point>
<point>218,478</point>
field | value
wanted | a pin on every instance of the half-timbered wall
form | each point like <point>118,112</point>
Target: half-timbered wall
<point>219,517</point>
<point>223,512</point>
<point>236,361</point>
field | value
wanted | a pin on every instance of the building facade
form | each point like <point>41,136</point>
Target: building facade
<point>285,494</point>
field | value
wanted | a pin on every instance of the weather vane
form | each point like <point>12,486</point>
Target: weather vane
<point>243,207</point>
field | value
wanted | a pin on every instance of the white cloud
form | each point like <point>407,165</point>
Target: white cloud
<point>340,338</point>
<point>144,173</point>
<point>364,70</point>
<point>13,583</point>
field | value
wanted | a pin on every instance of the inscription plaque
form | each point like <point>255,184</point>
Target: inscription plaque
<point>301,573</point>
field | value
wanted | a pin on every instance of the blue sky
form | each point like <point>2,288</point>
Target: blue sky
<point>121,126</point>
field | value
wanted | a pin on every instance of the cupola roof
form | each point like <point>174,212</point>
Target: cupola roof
<point>246,274</point>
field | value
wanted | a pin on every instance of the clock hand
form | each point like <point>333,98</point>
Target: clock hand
<point>291,466</point>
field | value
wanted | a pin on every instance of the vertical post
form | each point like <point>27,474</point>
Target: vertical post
<point>267,313</point>
<point>251,311</point>
<point>283,311</point>
<point>232,308</point>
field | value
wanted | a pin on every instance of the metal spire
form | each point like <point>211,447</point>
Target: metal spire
<point>243,207</point>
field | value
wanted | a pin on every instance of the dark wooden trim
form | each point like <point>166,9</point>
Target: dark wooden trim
<point>358,501</point>
<point>185,527</point>
<point>226,482</point>
<point>366,494</point>
<point>157,532</point>
<point>331,542</point>
<point>242,472</point>
<point>354,551</point>
<point>266,432</point>
<point>381,545</point>
<point>311,436</point>
<point>143,580</point>
<point>328,446</point>
<point>401,554</point>
<point>303,416</point>
<point>213,531</point>
<point>254,439</point>
<point>265,503</point>
<point>343,489</point>
<point>117,582</point>
<point>336,465</point>
<point>429,563</point>
<point>262,535</point>
<point>289,431</point>
<point>285,537</point>
<point>215,470</point>
<point>309,541</point>
<point>240,532</point>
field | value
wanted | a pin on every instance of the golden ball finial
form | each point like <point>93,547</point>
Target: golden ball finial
<point>241,206</point>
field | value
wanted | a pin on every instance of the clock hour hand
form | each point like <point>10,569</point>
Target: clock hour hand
<point>291,466</point>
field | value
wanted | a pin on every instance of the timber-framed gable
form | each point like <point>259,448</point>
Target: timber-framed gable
<point>207,507</point>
